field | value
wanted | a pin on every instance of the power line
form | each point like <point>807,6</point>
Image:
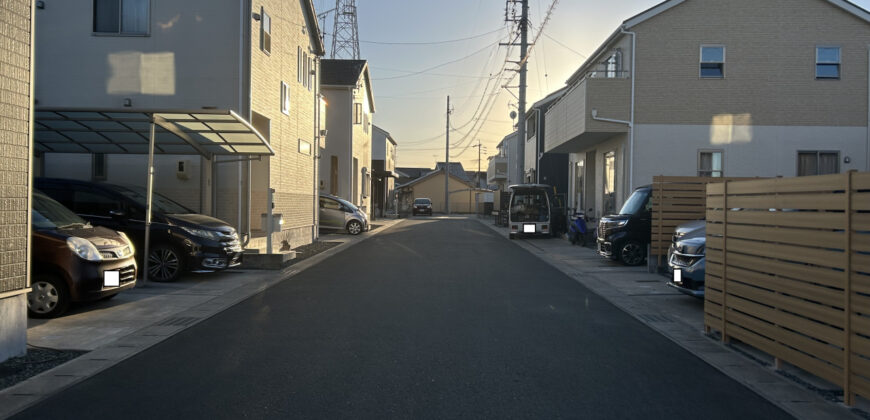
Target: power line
<point>566,47</point>
<point>434,42</point>
<point>439,65</point>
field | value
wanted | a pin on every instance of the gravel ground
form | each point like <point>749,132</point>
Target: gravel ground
<point>36,361</point>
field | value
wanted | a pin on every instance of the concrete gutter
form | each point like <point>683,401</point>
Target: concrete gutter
<point>200,302</point>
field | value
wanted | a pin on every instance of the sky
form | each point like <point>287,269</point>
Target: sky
<point>414,67</point>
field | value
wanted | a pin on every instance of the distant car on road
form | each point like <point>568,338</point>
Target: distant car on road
<point>338,213</point>
<point>686,262</point>
<point>74,261</point>
<point>422,206</point>
<point>180,238</point>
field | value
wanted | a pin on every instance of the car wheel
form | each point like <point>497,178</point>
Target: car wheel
<point>48,297</point>
<point>164,264</point>
<point>631,253</point>
<point>354,227</point>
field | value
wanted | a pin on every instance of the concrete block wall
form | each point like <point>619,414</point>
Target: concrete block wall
<point>15,151</point>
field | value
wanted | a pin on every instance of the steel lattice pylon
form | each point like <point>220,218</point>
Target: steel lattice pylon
<point>345,39</point>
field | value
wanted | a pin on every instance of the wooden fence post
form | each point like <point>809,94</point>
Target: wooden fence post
<point>848,395</point>
<point>725,262</point>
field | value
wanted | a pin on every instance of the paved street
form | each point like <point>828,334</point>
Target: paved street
<point>432,319</point>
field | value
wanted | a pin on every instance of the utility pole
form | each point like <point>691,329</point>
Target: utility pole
<point>524,47</point>
<point>447,162</point>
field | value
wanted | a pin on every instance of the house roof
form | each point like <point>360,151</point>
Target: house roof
<point>549,99</point>
<point>665,6</point>
<point>386,134</point>
<point>436,173</point>
<point>347,73</point>
<point>456,170</point>
<point>412,172</point>
<point>314,27</point>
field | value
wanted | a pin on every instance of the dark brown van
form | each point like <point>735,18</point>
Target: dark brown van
<point>74,261</point>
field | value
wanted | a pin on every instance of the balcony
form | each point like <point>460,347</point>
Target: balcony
<point>569,123</point>
<point>497,170</point>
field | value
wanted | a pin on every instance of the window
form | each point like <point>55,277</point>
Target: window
<point>265,32</point>
<point>299,64</point>
<point>285,98</point>
<point>712,62</point>
<point>305,69</point>
<point>328,204</point>
<point>613,65</point>
<point>93,204</point>
<point>827,62</point>
<point>357,114</point>
<point>818,163</point>
<point>310,73</point>
<point>710,163</point>
<point>532,125</point>
<point>98,167</point>
<point>122,17</point>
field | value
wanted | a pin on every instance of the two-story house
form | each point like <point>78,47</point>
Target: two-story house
<point>383,171</point>
<point>16,119</point>
<point>253,61</point>
<point>505,169</point>
<point>542,167</point>
<point>346,161</point>
<point>713,88</point>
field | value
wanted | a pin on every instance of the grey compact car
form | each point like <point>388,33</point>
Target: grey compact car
<point>337,213</point>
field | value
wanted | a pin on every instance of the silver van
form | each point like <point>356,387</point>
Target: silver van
<point>338,213</point>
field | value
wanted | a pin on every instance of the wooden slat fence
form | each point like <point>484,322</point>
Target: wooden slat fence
<point>676,200</point>
<point>788,272</point>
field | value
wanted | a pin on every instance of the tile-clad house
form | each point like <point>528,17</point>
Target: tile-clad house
<point>505,169</point>
<point>256,59</point>
<point>346,160</point>
<point>705,87</point>
<point>543,167</point>
<point>16,143</point>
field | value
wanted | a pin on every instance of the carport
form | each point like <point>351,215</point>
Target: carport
<point>205,132</point>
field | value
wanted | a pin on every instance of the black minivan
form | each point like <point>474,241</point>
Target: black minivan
<point>180,238</point>
<point>625,236</point>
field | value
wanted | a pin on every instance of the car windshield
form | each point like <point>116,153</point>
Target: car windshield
<point>529,205</point>
<point>422,201</point>
<point>160,203</point>
<point>636,202</point>
<point>49,214</point>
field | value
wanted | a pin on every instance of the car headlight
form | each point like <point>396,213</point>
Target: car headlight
<point>621,223</point>
<point>83,248</point>
<point>203,233</point>
<point>129,242</point>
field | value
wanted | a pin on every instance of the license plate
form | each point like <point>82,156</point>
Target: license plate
<point>678,276</point>
<point>528,228</point>
<point>111,278</point>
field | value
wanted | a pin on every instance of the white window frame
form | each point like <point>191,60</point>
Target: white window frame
<point>357,113</point>
<point>711,170</point>
<point>299,64</point>
<point>305,69</point>
<point>839,62</point>
<point>121,31</point>
<point>285,98</point>
<point>265,31</point>
<point>701,61</point>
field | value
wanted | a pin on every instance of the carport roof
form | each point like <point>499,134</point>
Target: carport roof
<point>205,132</point>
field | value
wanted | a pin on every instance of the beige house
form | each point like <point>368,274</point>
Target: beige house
<point>256,59</point>
<point>706,87</point>
<point>16,120</point>
<point>465,197</point>
<point>346,160</point>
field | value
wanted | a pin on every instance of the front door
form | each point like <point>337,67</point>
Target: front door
<point>331,214</point>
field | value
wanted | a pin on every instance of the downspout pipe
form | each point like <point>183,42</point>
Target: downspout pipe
<point>631,118</point>
<point>867,162</point>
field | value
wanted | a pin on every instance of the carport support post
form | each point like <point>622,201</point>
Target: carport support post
<point>150,192</point>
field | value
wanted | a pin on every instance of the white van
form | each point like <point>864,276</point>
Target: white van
<point>529,212</point>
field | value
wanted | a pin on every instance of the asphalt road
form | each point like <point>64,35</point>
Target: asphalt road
<point>433,319</point>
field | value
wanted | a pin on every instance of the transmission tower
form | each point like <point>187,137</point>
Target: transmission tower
<point>345,37</point>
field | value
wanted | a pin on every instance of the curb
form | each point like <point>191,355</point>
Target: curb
<point>34,390</point>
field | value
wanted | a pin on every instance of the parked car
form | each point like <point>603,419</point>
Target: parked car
<point>337,213</point>
<point>625,236</point>
<point>530,210</point>
<point>181,239</point>
<point>74,261</point>
<point>686,258</point>
<point>422,206</point>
